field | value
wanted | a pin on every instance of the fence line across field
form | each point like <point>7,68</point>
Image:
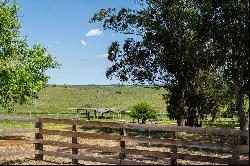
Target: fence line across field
<point>102,111</point>
<point>121,151</point>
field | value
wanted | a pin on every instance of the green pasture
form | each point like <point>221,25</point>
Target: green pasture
<point>54,102</point>
<point>58,99</point>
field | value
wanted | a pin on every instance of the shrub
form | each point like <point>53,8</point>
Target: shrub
<point>118,92</point>
<point>143,111</point>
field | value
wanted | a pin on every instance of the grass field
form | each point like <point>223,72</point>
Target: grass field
<point>55,100</point>
<point>58,99</point>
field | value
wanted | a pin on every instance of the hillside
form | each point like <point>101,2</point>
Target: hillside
<point>56,99</point>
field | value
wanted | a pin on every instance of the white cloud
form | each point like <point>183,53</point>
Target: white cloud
<point>94,32</point>
<point>84,43</point>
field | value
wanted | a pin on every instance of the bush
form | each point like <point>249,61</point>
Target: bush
<point>118,92</point>
<point>143,111</point>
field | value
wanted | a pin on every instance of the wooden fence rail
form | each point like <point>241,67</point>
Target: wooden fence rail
<point>122,139</point>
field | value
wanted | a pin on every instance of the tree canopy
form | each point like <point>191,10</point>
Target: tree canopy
<point>177,40</point>
<point>170,50</point>
<point>22,67</point>
<point>143,111</point>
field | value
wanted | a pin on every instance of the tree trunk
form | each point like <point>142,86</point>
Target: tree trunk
<point>240,108</point>
<point>190,118</point>
<point>213,117</point>
<point>181,119</point>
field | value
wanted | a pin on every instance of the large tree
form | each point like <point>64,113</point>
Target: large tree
<point>170,51</point>
<point>21,67</point>
<point>206,94</point>
<point>229,33</point>
<point>178,39</point>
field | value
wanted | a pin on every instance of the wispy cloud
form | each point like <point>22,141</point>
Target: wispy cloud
<point>84,43</point>
<point>94,32</point>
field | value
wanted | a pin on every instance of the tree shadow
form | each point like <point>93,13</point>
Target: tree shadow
<point>27,159</point>
<point>8,137</point>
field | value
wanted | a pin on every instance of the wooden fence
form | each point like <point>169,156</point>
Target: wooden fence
<point>122,139</point>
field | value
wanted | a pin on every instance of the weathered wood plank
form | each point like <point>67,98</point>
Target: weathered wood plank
<point>81,157</point>
<point>242,148</point>
<point>235,142</point>
<point>80,122</point>
<point>122,143</point>
<point>20,119</point>
<point>179,143</point>
<point>74,141</point>
<point>198,130</point>
<point>173,150</point>
<point>239,162</point>
<point>81,134</point>
<point>17,142</point>
<point>38,136</point>
<point>17,130</point>
<point>81,146</point>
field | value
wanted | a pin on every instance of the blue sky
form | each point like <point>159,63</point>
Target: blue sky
<point>63,27</point>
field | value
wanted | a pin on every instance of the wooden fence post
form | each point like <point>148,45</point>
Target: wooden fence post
<point>74,141</point>
<point>235,154</point>
<point>38,146</point>
<point>86,113</point>
<point>174,150</point>
<point>122,155</point>
<point>78,114</point>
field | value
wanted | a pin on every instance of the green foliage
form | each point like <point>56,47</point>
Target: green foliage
<point>168,47</point>
<point>230,109</point>
<point>231,38</point>
<point>177,39</point>
<point>143,111</point>
<point>171,49</point>
<point>207,94</point>
<point>21,68</point>
<point>229,29</point>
